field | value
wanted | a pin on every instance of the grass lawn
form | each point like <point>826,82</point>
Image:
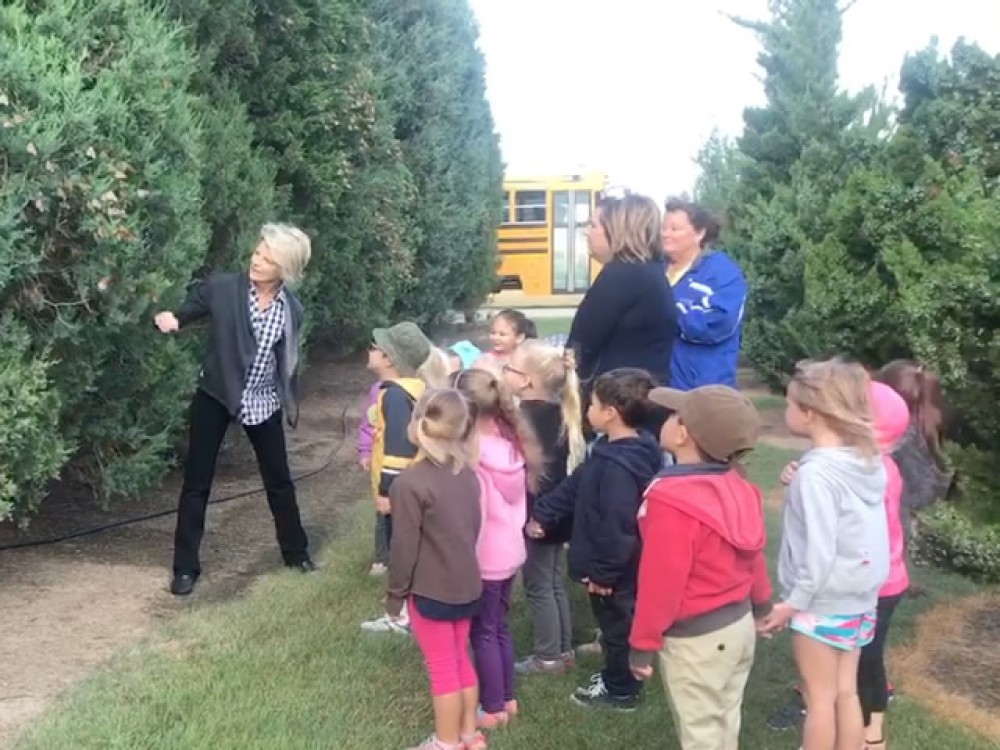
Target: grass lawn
<point>286,668</point>
<point>769,402</point>
<point>551,326</point>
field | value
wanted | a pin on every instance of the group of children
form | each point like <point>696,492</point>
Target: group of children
<point>480,470</point>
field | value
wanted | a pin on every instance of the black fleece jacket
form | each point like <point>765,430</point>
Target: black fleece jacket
<point>603,497</point>
<point>546,418</point>
<point>224,299</point>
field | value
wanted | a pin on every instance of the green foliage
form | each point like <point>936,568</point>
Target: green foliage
<point>237,178</point>
<point>446,134</point>
<point>143,143</point>
<point>875,241</point>
<point>100,147</point>
<point>31,452</point>
<point>310,94</point>
<point>950,540</point>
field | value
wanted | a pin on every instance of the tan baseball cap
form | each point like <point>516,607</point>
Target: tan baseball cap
<point>721,420</point>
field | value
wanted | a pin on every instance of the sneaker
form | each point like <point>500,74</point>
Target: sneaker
<point>378,569</point>
<point>534,665</point>
<point>594,647</point>
<point>386,624</point>
<point>491,721</point>
<point>475,742</point>
<point>569,659</point>
<point>789,716</point>
<point>511,709</point>
<point>433,743</point>
<point>596,695</point>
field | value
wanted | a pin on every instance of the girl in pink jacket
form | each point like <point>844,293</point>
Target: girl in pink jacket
<point>892,418</point>
<point>510,461</point>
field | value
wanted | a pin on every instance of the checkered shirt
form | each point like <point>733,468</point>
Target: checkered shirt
<point>260,395</point>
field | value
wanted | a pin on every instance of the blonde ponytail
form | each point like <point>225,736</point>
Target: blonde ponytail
<point>572,413</point>
<point>492,399</point>
<point>435,369</point>
<point>556,371</point>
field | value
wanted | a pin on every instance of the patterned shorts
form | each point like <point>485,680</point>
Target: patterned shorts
<point>844,632</point>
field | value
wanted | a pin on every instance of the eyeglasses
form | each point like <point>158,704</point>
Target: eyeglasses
<point>515,371</point>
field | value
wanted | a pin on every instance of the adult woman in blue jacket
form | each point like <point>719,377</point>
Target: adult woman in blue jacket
<point>710,292</point>
<point>628,317</point>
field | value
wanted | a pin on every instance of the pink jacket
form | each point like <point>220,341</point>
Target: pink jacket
<point>366,427</point>
<point>501,472</point>
<point>892,417</point>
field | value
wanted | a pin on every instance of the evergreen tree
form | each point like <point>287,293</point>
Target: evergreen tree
<point>433,79</point>
<point>100,209</point>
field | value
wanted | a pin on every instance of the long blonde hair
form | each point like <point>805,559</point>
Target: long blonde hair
<point>837,390</point>
<point>435,369</point>
<point>556,368</point>
<point>493,400</point>
<point>443,428</point>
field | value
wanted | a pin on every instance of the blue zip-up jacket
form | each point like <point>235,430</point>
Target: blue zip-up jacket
<point>710,300</point>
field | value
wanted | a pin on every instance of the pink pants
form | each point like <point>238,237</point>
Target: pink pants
<point>445,646</point>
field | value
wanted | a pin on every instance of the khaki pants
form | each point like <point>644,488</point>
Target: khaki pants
<point>704,679</point>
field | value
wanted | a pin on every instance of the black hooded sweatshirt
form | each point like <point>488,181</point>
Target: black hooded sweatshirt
<point>603,497</point>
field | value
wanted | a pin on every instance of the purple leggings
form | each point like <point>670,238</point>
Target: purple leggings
<point>493,647</point>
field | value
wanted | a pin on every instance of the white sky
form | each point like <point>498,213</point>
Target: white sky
<point>635,87</point>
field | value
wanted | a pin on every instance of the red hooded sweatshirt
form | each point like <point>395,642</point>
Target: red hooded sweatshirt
<point>702,566</point>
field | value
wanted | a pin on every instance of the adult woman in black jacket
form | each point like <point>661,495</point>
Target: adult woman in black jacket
<point>628,317</point>
<point>249,375</point>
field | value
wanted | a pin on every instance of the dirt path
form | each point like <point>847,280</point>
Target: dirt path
<point>67,608</point>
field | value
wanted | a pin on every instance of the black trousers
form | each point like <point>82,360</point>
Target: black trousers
<point>873,689</point>
<point>209,421</point>
<point>614,617</point>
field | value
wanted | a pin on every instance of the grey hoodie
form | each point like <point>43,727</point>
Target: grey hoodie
<point>835,546</point>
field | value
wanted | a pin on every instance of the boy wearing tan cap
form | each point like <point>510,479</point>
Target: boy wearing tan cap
<point>702,574</point>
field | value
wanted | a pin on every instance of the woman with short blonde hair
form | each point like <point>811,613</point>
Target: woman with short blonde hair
<point>249,375</point>
<point>290,249</point>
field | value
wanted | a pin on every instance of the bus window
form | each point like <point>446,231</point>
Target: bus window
<point>506,207</point>
<point>529,207</point>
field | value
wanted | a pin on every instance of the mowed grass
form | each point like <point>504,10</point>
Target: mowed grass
<point>768,402</point>
<point>550,326</point>
<point>287,668</point>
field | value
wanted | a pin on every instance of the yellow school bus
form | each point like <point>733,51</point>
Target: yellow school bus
<point>542,241</point>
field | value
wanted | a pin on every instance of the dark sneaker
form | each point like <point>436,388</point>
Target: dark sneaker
<point>789,716</point>
<point>596,695</point>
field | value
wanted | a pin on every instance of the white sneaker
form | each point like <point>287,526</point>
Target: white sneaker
<point>378,569</point>
<point>386,624</point>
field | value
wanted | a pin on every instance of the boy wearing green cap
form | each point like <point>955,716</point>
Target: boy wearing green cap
<point>400,358</point>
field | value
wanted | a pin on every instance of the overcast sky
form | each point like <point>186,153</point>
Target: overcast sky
<point>634,87</point>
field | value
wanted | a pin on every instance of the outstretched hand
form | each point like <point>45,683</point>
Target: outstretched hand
<point>167,322</point>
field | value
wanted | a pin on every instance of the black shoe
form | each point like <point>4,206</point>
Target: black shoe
<point>596,695</point>
<point>303,566</point>
<point>788,716</point>
<point>182,584</point>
